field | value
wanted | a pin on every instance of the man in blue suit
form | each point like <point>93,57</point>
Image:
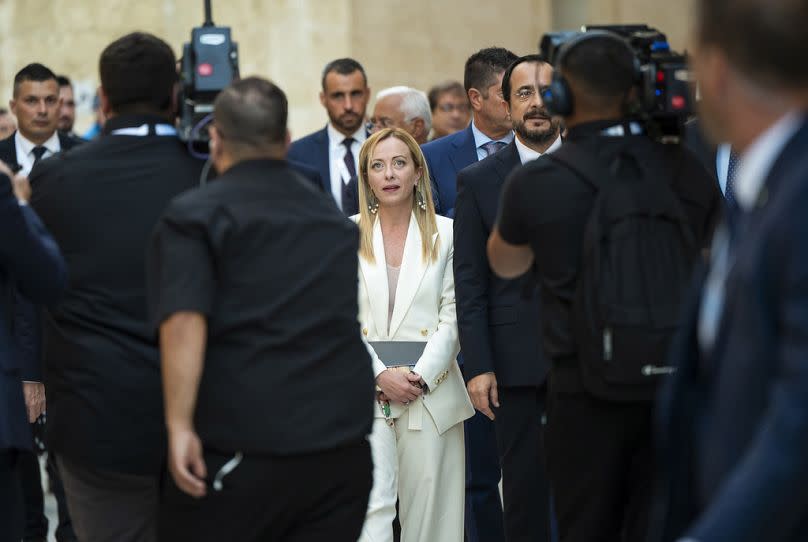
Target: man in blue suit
<point>734,417</point>
<point>30,262</point>
<point>490,130</point>
<point>334,150</point>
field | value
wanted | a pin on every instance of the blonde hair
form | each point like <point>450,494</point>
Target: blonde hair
<point>427,223</point>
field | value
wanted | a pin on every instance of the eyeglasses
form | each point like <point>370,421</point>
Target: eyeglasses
<point>526,93</point>
<point>449,107</point>
<point>379,124</point>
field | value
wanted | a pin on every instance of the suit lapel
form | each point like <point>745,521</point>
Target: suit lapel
<point>465,151</point>
<point>506,161</point>
<point>322,158</point>
<point>8,151</point>
<point>375,275</point>
<point>413,267</point>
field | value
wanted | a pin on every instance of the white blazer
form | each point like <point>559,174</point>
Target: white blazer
<point>424,310</point>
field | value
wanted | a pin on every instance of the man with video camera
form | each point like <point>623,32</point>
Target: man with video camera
<point>614,222</point>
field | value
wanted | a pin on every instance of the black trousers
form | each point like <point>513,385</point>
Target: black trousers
<point>525,485</point>
<point>11,507</point>
<point>600,460</point>
<point>316,497</point>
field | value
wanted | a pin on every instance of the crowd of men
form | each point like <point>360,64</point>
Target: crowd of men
<point>190,358</point>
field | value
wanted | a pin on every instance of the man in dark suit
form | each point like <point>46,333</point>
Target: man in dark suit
<point>31,263</point>
<point>37,103</point>
<point>499,319</point>
<point>334,150</point>
<point>489,131</point>
<point>733,420</point>
<point>100,201</point>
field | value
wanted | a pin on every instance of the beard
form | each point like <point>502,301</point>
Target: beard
<point>538,136</point>
<point>348,122</point>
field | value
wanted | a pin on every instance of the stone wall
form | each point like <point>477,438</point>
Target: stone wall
<point>413,42</point>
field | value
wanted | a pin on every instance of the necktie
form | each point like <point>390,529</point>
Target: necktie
<point>729,194</point>
<point>38,153</point>
<point>492,146</point>
<point>349,159</point>
<point>350,165</point>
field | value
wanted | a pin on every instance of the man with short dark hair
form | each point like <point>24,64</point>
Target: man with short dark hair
<point>733,420</point>
<point>489,131</point>
<point>334,150</point>
<point>498,319</point>
<point>267,382</point>
<point>36,102</point>
<point>599,430</point>
<point>100,202</point>
<point>67,110</point>
<point>450,108</point>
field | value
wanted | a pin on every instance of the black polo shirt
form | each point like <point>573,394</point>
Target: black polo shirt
<point>272,264</point>
<point>547,206</point>
<point>100,201</point>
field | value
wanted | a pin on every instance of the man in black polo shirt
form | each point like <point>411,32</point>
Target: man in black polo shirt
<point>267,383</point>
<point>101,201</point>
<point>599,449</point>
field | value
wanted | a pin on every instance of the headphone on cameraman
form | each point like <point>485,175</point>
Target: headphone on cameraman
<point>557,97</point>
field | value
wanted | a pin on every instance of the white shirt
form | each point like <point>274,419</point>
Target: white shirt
<point>526,154</point>
<point>722,153</point>
<point>755,164</point>
<point>336,158</point>
<point>481,139</point>
<point>25,150</point>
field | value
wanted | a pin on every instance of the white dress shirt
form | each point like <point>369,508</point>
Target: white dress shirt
<point>526,154</point>
<point>336,158</point>
<point>481,139</point>
<point>755,164</point>
<point>25,150</point>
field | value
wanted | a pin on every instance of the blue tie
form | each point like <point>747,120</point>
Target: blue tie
<point>733,211</point>
<point>492,146</point>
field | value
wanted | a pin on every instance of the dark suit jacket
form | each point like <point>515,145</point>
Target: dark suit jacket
<point>100,202</point>
<point>30,261</point>
<point>497,319</point>
<point>734,422</point>
<point>311,174</point>
<point>312,151</point>
<point>26,320</point>
<point>445,157</point>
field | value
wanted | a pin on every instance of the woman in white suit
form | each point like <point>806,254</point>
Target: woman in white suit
<point>406,293</point>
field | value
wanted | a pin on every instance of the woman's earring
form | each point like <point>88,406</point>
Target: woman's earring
<point>421,200</point>
<point>373,206</point>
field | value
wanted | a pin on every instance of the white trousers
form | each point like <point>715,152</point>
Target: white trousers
<point>426,471</point>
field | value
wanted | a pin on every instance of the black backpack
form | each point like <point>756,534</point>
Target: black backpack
<point>638,256</point>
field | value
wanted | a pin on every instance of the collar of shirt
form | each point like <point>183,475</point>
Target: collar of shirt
<point>759,157</point>
<point>481,139</point>
<point>335,137</point>
<point>122,124</point>
<point>27,146</point>
<point>25,150</point>
<point>722,152</point>
<point>526,154</point>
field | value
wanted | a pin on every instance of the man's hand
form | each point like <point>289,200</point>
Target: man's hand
<point>185,462</point>
<point>483,392</point>
<point>34,393</point>
<point>397,386</point>
<point>22,188</point>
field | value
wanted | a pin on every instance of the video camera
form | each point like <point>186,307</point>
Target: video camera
<point>209,63</point>
<point>665,98</point>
